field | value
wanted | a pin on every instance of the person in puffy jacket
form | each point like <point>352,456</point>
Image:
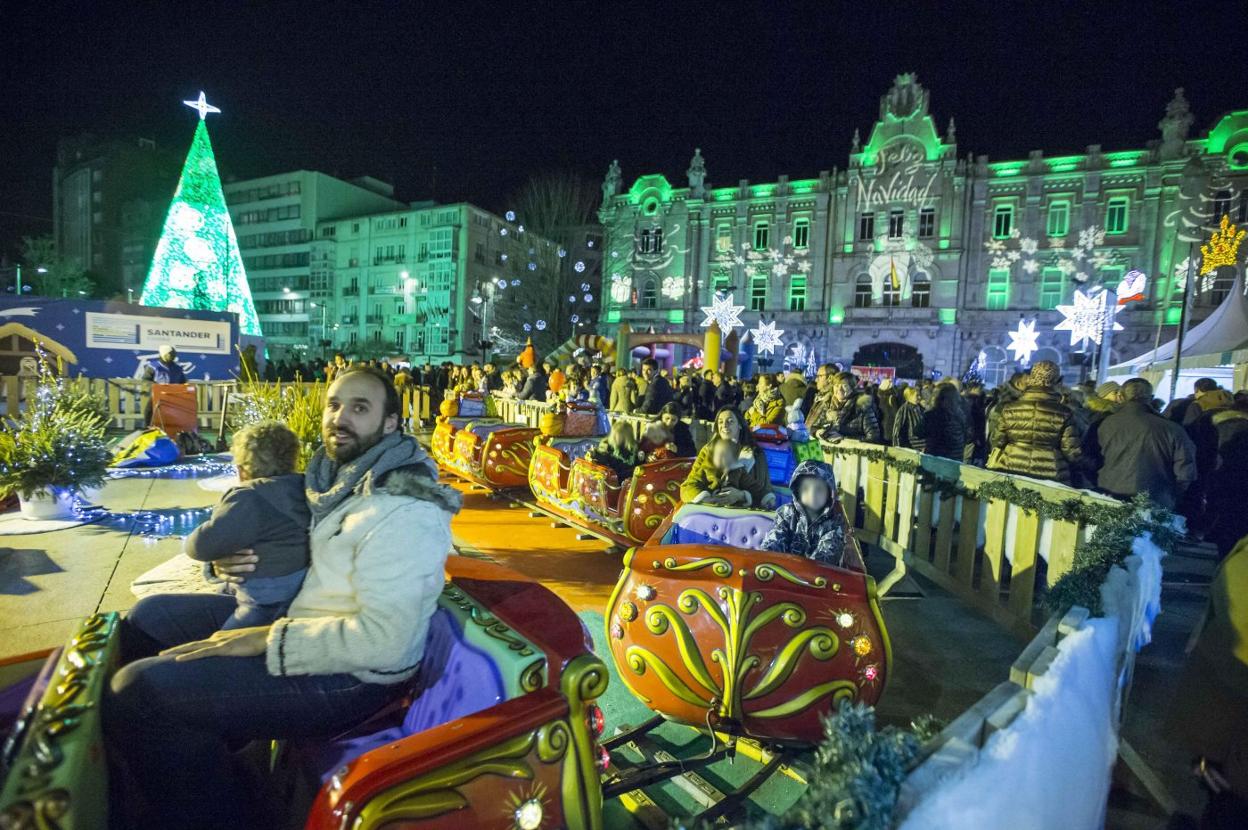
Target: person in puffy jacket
<point>851,414</point>
<point>730,469</point>
<point>810,525</point>
<point>909,422</point>
<point>1036,434</point>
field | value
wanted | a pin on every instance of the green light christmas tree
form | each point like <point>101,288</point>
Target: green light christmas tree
<point>197,263</point>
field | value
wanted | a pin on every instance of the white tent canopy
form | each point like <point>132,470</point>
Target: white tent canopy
<point>1221,339</point>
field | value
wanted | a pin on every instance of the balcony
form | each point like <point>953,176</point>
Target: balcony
<point>375,319</point>
<point>351,291</point>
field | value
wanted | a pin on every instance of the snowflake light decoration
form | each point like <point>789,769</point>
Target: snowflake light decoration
<point>1023,341</point>
<point>724,311</point>
<point>767,337</point>
<point>1084,318</point>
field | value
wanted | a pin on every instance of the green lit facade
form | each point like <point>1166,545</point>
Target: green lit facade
<point>913,251</point>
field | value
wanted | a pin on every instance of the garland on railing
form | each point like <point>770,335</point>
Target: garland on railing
<point>1073,509</point>
<point>1107,548</point>
<point>854,775</point>
<point>1116,525</point>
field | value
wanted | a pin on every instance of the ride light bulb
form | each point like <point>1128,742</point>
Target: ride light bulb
<point>596,720</point>
<point>604,760</point>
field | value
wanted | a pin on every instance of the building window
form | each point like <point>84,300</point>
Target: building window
<point>1243,207</point>
<point>891,295</point>
<point>896,223</point>
<point>927,222</point>
<point>651,241</point>
<point>1220,289</point>
<point>1059,219</point>
<point>1002,221</point>
<point>862,291</point>
<point>801,233</point>
<point>721,281</point>
<point>723,237</point>
<point>1052,285</point>
<point>797,293</point>
<point>650,294</point>
<point>758,292</point>
<point>1116,215</point>
<point>921,291</point>
<point>866,226</point>
<point>1221,206</point>
<point>998,289</point>
<point>996,364</point>
<point>762,236</point>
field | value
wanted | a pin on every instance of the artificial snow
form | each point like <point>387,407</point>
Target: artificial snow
<point>1050,768</point>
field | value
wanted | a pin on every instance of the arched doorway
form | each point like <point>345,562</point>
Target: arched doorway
<point>905,359</point>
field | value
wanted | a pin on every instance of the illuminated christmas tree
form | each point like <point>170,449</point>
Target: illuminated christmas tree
<point>197,263</point>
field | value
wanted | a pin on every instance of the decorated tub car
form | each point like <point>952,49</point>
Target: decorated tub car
<point>496,455</point>
<point>626,512</point>
<point>710,631</point>
<point>503,733</point>
<point>455,413</point>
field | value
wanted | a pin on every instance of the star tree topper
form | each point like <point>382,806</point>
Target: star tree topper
<point>767,337</point>
<point>723,311</point>
<point>202,106</point>
<point>1023,341</point>
<point>1085,318</point>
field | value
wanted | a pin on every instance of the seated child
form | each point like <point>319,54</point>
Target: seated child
<point>810,525</point>
<point>618,451</point>
<point>768,405</point>
<point>657,444</point>
<point>268,513</point>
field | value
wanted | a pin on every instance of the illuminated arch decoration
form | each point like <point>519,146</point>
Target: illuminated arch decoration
<point>197,264</point>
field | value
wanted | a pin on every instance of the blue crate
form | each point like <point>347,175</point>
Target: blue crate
<point>781,461</point>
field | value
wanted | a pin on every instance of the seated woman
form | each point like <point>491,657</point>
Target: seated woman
<point>810,525</point>
<point>668,437</point>
<point>730,470</point>
<point>768,406</point>
<point>618,451</point>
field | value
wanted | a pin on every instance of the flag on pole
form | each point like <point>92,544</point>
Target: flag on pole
<point>892,273</point>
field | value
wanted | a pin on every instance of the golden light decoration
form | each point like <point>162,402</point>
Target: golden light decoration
<point>861,645</point>
<point>1222,248</point>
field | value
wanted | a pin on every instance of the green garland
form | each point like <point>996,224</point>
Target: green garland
<point>1117,526</point>
<point>854,775</point>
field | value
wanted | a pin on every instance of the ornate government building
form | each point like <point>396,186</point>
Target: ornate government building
<point>920,259</point>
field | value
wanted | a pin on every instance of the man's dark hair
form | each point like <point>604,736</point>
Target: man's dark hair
<point>392,404</point>
<point>651,362</point>
<point>1205,385</point>
<point>1137,389</point>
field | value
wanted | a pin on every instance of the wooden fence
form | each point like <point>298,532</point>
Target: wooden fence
<point>991,554</point>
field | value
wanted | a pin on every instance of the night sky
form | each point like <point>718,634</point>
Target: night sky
<point>491,94</point>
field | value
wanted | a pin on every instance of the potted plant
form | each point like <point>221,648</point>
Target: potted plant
<point>55,449</point>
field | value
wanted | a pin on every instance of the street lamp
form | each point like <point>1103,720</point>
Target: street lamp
<point>23,289</point>
<point>482,299</point>
<point>322,307</point>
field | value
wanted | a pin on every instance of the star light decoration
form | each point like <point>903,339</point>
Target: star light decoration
<point>724,311</point>
<point>767,337</point>
<point>202,106</point>
<point>1085,318</point>
<point>1023,341</point>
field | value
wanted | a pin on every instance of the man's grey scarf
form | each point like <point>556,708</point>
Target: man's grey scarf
<point>328,484</point>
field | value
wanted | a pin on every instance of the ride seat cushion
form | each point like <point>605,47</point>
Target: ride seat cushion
<point>456,679</point>
<point>482,430</point>
<point>746,530</point>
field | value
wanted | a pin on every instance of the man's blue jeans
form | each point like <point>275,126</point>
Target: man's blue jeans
<point>170,725</point>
